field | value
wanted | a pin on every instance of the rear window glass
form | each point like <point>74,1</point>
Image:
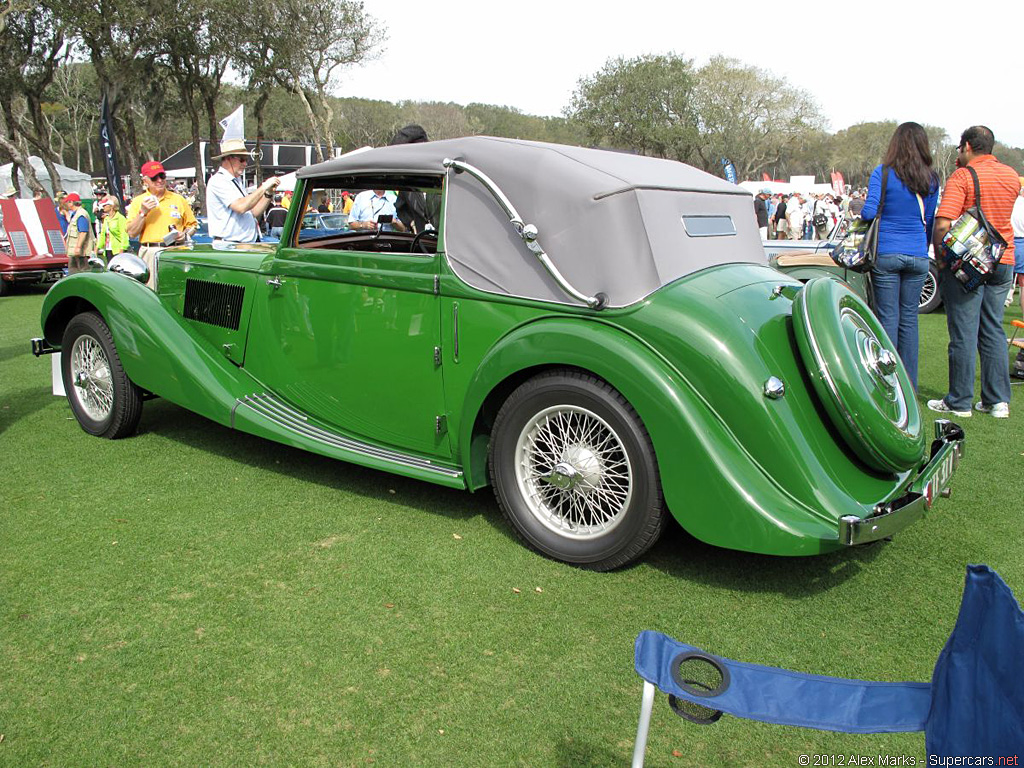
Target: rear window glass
<point>708,226</point>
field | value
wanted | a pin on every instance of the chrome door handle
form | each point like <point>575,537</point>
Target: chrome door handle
<point>275,282</point>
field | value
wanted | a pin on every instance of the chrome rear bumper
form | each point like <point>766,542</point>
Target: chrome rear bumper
<point>931,482</point>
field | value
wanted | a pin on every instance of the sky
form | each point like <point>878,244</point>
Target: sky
<point>860,61</point>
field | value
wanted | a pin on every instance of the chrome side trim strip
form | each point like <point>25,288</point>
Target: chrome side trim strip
<point>272,409</point>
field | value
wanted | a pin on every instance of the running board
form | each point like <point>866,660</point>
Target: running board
<point>279,421</point>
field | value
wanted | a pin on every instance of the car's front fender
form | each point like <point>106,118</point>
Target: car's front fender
<point>159,350</point>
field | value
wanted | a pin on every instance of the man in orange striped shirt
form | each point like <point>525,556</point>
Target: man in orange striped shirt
<point>975,318</point>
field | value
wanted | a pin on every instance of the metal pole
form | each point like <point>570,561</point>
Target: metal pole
<point>646,707</point>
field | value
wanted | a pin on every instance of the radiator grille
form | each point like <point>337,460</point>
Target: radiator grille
<point>214,303</point>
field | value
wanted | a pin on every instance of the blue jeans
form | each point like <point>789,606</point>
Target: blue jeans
<point>975,323</point>
<point>897,280</point>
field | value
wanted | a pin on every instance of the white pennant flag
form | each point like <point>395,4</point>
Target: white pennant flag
<point>233,125</point>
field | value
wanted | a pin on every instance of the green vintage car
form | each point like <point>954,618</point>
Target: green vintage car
<point>595,335</point>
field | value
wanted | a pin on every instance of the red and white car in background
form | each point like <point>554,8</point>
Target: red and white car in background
<point>32,247</point>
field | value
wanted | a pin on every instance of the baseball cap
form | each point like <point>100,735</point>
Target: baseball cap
<point>72,198</point>
<point>152,168</point>
<point>766,190</point>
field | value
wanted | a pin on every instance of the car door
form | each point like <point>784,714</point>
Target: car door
<point>351,338</point>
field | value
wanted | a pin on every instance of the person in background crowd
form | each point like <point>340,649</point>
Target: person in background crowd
<point>61,207</point>
<point>79,236</point>
<point>113,236</point>
<point>415,209</point>
<point>975,318</point>
<point>1017,221</point>
<point>369,206</point>
<point>761,211</point>
<point>773,204</point>
<point>856,204</point>
<point>821,220</point>
<point>155,213</point>
<point>795,217</point>
<point>808,204</point>
<point>346,203</point>
<point>904,230</point>
<point>781,222</point>
<point>276,217</point>
<point>231,211</point>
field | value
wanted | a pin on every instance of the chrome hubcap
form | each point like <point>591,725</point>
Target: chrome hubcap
<point>879,369</point>
<point>90,378</point>
<point>573,472</point>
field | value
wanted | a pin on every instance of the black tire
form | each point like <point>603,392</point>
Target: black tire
<point>931,299</point>
<point>608,479</point>
<point>106,402</point>
<point>6,288</point>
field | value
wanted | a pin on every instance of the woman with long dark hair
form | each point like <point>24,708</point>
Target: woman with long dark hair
<point>904,231</point>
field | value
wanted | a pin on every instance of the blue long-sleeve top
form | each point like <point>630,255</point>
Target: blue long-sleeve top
<point>901,229</point>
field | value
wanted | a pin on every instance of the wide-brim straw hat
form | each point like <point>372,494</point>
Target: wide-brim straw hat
<point>231,147</point>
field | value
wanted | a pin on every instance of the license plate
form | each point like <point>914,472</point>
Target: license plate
<point>935,479</point>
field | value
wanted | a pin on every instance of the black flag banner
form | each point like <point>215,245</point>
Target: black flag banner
<point>107,149</point>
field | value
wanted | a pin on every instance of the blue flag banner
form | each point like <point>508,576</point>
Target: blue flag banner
<point>109,152</point>
<point>730,170</point>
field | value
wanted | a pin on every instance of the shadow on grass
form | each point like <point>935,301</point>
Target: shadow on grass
<point>15,350</point>
<point>21,403</point>
<point>680,555</point>
<point>175,423</point>
<point>572,752</point>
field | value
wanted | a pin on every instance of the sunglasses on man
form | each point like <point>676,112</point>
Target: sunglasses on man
<point>158,177</point>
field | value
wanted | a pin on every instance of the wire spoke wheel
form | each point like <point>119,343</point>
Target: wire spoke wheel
<point>91,379</point>
<point>104,400</point>
<point>573,471</point>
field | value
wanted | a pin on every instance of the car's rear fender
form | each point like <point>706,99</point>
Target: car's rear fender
<point>710,483</point>
<point>159,350</point>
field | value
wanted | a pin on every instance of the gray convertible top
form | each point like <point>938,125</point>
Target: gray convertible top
<point>610,222</point>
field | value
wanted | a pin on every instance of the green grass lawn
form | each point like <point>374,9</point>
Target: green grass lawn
<point>196,596</point>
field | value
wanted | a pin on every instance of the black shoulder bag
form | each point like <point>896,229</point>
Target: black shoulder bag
<point>858,251</point>
<point>972,246</point>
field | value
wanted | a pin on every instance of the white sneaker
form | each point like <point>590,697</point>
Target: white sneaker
<point>941,407</point>
<point>998,411</point>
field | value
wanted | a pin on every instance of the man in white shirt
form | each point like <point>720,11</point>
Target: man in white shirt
<point>230,211</point>
<point>795,217</point>
<point>369,206</point>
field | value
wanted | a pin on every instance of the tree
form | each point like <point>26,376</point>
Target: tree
<point>441,120</point>
<point>748,116</point>
<point>196,55</point>
<point>336,34</point>
<point>123,43</point>
<point>644,104</point>
<point>364,122</point>
<point>31,48</point>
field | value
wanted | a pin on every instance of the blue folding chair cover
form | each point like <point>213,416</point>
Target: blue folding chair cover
<point>973,706</point>
<point>775,695</point>
<point>978,682</point>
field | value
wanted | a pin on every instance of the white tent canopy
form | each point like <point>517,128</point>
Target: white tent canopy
<point>70,179</point>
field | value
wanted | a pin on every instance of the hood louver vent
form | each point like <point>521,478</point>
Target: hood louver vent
<point>213,303</point>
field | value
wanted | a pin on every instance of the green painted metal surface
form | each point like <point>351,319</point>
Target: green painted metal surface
<point>390,361</point>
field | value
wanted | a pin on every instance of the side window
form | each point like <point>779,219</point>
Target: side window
<point>380,213</point>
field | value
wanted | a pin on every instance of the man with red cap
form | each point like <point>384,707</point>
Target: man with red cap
<point>79,235</point>
<point>158,217</point>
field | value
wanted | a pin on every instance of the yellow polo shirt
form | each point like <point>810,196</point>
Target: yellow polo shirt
<point>172,212</point>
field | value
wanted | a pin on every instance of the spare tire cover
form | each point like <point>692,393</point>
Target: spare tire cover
<point>858,376</point>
